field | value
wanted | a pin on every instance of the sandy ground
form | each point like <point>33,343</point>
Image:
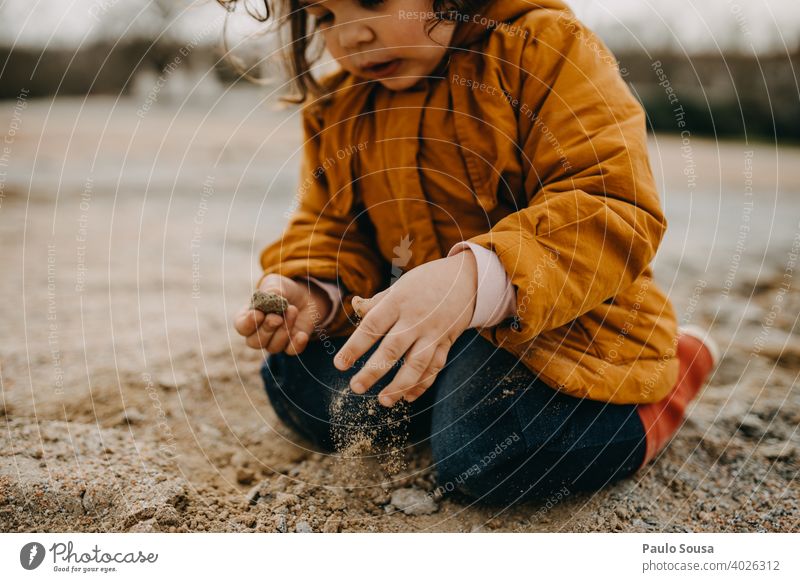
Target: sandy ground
<point>129,405</point>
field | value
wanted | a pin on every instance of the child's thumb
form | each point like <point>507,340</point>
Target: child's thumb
<point>363,306</point>
<point>290,290</point>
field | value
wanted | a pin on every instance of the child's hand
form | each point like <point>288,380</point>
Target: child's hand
<point>421,315</point>
<point>291,331</point>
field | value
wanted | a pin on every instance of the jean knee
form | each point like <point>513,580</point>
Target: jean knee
<point>476,464</point>
<point>490,456</point>
<point>503,483</point>
<point>295,401</point>
<point>468,477</point>
<point>452,468</point>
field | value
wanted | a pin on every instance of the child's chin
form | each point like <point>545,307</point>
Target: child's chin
<point>400,83</point>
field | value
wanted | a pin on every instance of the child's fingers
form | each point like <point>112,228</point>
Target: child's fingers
<point>291,316</point>
<point>256,342</point>
<point>300,335</point>
<point>390,350</point>
<point>429,376</point>
<point>362,305</point>
<point>247,321</point>
<point>263,334</point>
<point>412,394</point>
<point>371,328</point>
<point>298,344</point>
<point>280,336</point>
<point>277,345</point>
<point>410,374</point>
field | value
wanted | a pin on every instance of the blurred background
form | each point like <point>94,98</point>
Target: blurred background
<point>140,177</point>
<point>733,62</point>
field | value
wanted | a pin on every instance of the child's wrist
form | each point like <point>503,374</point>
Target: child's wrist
<point>321,303</point>
<point>470,270</point>
<point>468,277</point>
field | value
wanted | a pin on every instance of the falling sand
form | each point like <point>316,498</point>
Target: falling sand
<point>367,434</point>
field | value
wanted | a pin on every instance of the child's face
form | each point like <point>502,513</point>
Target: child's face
<point>383,40</point>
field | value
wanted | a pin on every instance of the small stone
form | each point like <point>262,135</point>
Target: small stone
<point>782,349</point>
<point>778,450</point>
<point>286,499</point>
<point>133,416</point>
<point>248,521</point>
<point>303,527</point>
<point>622,513</point>
<point>269,303</point>
<point>332,525</point>
<point>413,501</point>
<point>172,380</point>
<point>146,526</point>
<point>173,494</point>
<point>240,459</point>
<point>96,499</point>
<point>752,426</point>
<point>380,497</point>
<point>281,526</point>
<point>337,503</point>
<point>245,476</point>
<point>167,515</point>
<point>253,494</point>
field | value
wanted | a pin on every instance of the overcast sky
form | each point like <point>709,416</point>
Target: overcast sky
<point>691,25</point>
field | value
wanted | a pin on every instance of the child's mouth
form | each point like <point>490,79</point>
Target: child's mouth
<point>383,69</point>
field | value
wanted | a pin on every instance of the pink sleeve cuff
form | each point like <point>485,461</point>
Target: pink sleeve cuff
<point>335,294</point>
<point>496,299</point>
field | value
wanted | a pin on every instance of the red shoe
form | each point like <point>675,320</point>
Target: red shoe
<point>698,356</point>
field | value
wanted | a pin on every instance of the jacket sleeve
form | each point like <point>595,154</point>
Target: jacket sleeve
<point>320,244</point>
<point>593,221</point>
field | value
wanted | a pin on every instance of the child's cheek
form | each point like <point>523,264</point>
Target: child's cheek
<point>332,45</point>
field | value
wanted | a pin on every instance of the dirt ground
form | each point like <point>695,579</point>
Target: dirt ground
<point>131,236</point>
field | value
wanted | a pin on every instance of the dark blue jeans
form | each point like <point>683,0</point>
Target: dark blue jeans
<point>497,432</point>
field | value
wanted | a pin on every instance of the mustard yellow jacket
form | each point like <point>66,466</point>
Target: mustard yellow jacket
<point>528,142</point>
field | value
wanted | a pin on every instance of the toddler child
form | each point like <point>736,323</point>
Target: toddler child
<point>476,221</point>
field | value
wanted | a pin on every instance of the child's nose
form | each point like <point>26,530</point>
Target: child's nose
<point>354,34</point>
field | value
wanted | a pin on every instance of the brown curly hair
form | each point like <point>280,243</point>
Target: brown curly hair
<point>290,14</point>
